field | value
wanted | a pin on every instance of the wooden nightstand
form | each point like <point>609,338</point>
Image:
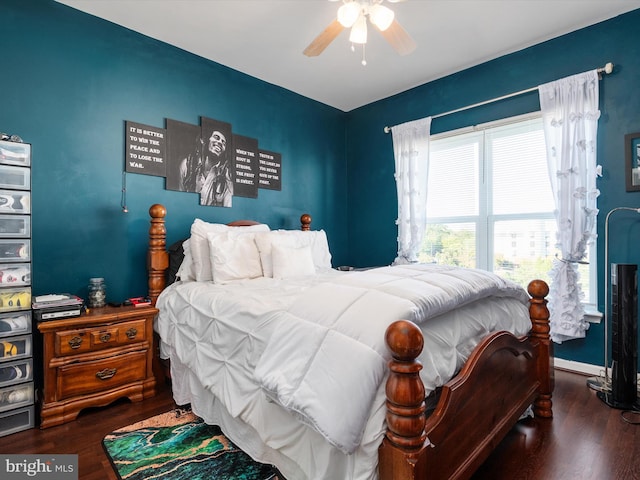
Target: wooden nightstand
<point>92,360</point>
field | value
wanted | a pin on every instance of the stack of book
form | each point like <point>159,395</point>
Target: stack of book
<point>56,305</point>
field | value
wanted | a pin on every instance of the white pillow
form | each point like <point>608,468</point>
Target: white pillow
<point>234,256</point>
<point>186,271</point>
<point>316,240</point>
<point>200,252</point>
<point>292,261</point>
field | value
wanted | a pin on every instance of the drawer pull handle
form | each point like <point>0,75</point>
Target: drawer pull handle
<point>105,337</point>
<point>106,374</point>
<point>75,342</point>
<point>131,333</point>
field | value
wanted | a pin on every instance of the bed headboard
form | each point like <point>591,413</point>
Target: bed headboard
<point>158,256</point>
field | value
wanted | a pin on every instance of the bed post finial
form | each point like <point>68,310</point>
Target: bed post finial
<point>405,390</point>
<point>405,437</point>
<point>305,222</point>
<point>540,329</point>
<point>157,257</point>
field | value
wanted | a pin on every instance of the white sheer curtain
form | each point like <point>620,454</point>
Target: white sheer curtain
<point>570,114</point>
<point>411,152</point>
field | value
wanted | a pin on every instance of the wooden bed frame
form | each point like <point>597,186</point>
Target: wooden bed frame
<point>502,378</point>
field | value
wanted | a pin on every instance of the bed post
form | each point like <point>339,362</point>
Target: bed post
<point>305,222</point>
<point>157,256</point>
<point>539,314</point>
<point>406,417</point>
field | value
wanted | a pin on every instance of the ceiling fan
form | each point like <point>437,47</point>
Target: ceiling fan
<point>354,14</point>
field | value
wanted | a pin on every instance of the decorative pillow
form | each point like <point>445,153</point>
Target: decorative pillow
<point>292,261</point>
<point>200,244</point>
<point>234,256</point>
<point>186,271</point>
<point>316,240</point>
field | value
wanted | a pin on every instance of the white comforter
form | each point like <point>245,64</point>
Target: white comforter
<point>316,346</point>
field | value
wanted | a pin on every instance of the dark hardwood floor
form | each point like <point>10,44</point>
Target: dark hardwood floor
<point>84,435</point>
<point>585,440</point>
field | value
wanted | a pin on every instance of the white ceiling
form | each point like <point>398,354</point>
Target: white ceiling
<point>265,38</point>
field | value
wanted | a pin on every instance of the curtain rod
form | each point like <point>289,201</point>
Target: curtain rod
<point>608,68</point>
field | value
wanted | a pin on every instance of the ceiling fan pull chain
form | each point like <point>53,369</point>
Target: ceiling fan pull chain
<point>364,60</point>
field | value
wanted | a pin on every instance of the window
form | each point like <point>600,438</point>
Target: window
<point>490,205</point>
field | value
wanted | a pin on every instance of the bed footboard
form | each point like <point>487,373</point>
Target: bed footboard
<point>503,376</point>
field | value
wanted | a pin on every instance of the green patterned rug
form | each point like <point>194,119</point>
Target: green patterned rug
<point>178,445</point>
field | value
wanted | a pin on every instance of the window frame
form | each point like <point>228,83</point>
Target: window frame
<point>485,222</point>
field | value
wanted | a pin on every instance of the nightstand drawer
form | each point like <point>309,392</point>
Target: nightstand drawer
<point>132,332</point>
<point>84,340</point>
<point>120,334</point>
<point>89,377</point>
<point>105,337</point>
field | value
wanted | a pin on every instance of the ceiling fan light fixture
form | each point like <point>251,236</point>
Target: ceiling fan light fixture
<point>348,14</point>
<point>355,15</point>
<point>381,16</point>
<point>359,31</point>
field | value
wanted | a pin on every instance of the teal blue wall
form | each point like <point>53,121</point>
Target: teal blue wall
<point>69,81</point>
<point>372,194</point>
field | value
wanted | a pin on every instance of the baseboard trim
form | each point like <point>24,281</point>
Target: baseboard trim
<point>583,368</point>
<point>578,367</point>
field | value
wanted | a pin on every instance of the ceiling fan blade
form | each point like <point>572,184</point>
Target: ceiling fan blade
<point>399,39</point>
<point>322,41</point>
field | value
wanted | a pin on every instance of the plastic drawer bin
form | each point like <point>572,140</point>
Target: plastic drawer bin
<point>13,153</point>
<point>15,274</point>
<point>15,250</point>
<point>16,396</point>
<point>16,421</point>
<point>15,177</point>
<point>19,371</point>
<point>15,299</point>
<point>15,348</point>
<point>12,201</point>
<point>15,226</point>
<point>15,323</point>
